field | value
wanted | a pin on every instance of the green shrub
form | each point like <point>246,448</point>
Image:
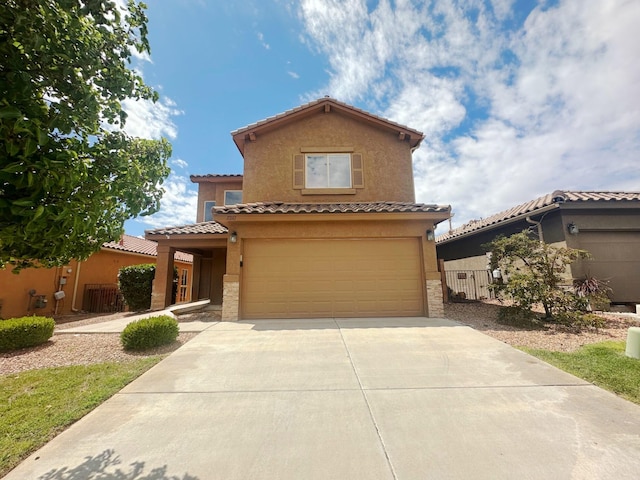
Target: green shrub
<point>579,321</point>
<point>149,332</point>
<point>135,283</point>
<point>24,332</point>
<point>519,317</point>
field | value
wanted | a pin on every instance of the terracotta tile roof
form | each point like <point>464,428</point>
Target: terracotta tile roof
<point>131,244</point>
<point>551,200</point>
<point>194,228</point>
<point>216,176</point>
<point>293,208</point>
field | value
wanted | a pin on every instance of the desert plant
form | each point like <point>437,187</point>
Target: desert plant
<point>534,272</point>
<point>149,332</point>
<point>595,291</point>
<point>25,332</point>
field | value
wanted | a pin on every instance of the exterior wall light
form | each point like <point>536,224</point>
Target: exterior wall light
<point>234,237</point>
<point>573,229</point>
<point>430,235</point>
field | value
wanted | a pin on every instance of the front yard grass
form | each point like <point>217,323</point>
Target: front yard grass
<point>604,364</point>
<point>37,405</point>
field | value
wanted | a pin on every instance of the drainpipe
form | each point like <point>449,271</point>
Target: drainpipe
<point>75,288</point>
<point>539,225</point>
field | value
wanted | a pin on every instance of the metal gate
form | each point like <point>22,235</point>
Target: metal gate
<point>102,298</point>
<point>469,284</point>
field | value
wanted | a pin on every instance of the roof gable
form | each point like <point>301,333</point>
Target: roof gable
<point>326,104</point>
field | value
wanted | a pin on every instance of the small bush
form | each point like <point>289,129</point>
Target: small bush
<point>149,332</point>
<point>25,332</point>
<point>579,321</point>
<point>518,317</point>
<point>135,283</point>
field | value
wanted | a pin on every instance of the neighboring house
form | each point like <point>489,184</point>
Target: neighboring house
<point>606,224</point>
<point>90,285</point>
<point>328,225</point>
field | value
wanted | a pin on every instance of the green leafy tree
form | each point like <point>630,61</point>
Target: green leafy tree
<point>69,175</point>
<point>534,272</point>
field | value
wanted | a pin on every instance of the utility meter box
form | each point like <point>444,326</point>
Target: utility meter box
<point>40,301</point>
<point>59,295</point>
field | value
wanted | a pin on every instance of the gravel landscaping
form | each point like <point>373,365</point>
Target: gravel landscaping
<point>482,317</point>
<point>83,349</point>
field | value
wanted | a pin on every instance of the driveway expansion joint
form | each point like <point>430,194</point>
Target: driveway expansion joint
<point>366,400</point>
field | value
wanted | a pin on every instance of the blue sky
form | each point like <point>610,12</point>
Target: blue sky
<point>516,98</point>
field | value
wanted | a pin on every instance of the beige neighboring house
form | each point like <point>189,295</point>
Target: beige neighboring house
<point>606,224</point>
<point>322,223</point>
<point>90,285</point>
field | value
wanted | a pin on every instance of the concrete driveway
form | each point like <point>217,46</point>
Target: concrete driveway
<point>348,399</point>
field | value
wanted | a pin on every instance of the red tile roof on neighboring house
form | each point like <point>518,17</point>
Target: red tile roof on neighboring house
<point>549,201</point>
<point>195,228</point>
<point>131,244</point>
<point>293,208</point>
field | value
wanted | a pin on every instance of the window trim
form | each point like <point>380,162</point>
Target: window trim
<point>298,172</point>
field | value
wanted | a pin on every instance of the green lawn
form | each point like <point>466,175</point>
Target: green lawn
<point>603,364</point>
<point>37,405</point>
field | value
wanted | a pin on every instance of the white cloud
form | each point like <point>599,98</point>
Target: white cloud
<point>178,205</point>
<point>264,44</point>
<point>293,74</point>
<point>146,119</point>
<point>510,111</point>
<point>178,162</point>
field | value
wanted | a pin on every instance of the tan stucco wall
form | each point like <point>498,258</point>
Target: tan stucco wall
<point>470,263</point>
<point>101,268</point>
<point>329,229</point>
<point>268,161</point>
<point>214,191</point>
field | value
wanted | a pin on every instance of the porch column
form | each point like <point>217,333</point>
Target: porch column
<point>195,277</point>
<point>163,280</point>
<point>231,298</point>
<point>435,304</point>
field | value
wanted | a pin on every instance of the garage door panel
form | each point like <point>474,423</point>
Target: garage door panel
<point>616,258</point>
<point>331,278</point>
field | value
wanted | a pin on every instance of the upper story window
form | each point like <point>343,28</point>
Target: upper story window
<point>232,197</point>
<point>331,170</point>
<point>207,214</point>
<point>326,172</point>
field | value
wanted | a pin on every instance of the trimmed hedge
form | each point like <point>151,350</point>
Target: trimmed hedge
<point>149,332</point>
<point>25,332</point>
<point>135,283</point>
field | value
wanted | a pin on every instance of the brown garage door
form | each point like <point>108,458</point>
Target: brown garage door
<point>331,278</point>
<point>616,258</point>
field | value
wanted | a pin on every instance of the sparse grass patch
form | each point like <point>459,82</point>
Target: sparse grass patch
<point>37,405</point>
<point>603,364</point>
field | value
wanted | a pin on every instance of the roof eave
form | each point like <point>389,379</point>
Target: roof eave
<point>499,224</point>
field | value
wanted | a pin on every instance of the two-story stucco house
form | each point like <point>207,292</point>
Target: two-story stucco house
<point>322,223</point>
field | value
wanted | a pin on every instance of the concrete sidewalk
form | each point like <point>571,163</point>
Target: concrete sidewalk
<point>119,324</point>
<point>349,399</point>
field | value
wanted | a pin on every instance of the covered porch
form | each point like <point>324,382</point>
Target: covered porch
<point>207,242</point>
